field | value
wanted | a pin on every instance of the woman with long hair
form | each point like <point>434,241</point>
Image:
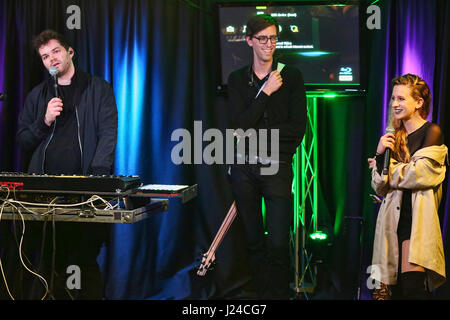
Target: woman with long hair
<point>408,252</point>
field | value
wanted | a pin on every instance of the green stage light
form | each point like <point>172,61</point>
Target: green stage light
<point>318,235</point>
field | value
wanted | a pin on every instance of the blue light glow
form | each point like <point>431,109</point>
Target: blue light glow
<point>129,84</point>
<point>313,53</point>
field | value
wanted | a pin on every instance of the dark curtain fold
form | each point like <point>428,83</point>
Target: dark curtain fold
<point>441,115</point>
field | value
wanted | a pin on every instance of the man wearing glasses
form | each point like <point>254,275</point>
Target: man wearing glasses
<point>262,97</point>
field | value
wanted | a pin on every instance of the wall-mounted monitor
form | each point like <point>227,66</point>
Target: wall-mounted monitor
<point>323,41</point>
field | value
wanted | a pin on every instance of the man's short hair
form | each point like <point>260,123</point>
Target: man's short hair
<point>45,36</point>
<point>260,22</point>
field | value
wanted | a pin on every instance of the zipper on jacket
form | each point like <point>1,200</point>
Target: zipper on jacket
<point>79,139</point>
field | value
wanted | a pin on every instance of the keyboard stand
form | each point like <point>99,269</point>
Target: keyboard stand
<point>85,213</point>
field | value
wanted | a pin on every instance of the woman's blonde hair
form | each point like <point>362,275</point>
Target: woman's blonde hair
<point>418,90</point>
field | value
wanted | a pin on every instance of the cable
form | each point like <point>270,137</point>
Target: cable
<point>41,255</point>
<point>90,201</point>
<point>21,259</point>
<point>52,275</point>
<point>43,240</point>
<point>5,201</point>
<point>1,265</point>
<point>13,202</point>
<point>20,255</point>
<point>17,242</point>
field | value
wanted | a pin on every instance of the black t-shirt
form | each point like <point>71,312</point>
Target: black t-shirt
<point>63,154</point>
<point>427,135</point>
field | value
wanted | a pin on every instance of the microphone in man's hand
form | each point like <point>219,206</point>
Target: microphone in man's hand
<point>2,96</point>
<point>54,73</point>
<point>387,154</point>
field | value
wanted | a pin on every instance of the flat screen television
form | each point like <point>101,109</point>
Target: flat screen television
<point>322,40</point>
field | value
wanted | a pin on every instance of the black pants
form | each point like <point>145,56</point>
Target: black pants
<point>76,244</point>
<point>79,245</point>
<point>268,255</point>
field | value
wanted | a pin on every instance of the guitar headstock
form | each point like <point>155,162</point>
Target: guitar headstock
<point>208,262</point>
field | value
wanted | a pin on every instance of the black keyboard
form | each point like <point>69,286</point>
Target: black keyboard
<point>105,183</point>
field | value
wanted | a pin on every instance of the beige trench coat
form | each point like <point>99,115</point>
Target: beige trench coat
<point>423,175</point>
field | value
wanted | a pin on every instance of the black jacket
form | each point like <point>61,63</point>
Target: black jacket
<point>284,110</point>
<point>97,124</point>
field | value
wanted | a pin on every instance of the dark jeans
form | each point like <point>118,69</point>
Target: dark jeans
<point>268,255</point>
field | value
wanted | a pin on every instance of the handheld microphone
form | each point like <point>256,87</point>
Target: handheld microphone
<point>387,154</point>
<point>54,73</point>
<point>2,96</point>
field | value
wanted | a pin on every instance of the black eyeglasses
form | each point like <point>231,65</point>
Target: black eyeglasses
<point>264,39</point>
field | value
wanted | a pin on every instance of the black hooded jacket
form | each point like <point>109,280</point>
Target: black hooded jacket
<point>97,120</point>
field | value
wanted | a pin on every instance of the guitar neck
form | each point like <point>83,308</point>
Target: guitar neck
<point>229,218</point>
